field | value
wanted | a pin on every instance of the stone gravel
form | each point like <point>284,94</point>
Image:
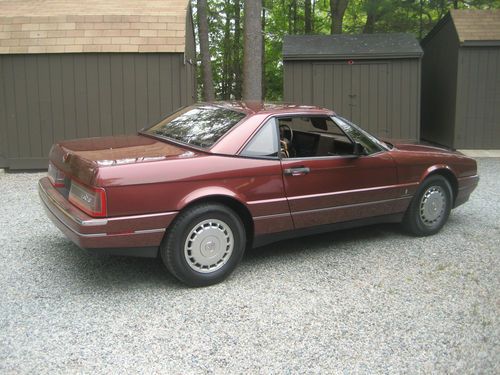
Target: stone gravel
<point>368,300</point>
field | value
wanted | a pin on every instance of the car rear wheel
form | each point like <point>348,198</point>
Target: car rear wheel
<point>430,207</point>
<point>204,244</point>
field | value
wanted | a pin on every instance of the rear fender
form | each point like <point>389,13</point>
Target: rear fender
<point>206,192</point>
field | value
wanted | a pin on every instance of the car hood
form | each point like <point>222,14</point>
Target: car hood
<point>422,148</point>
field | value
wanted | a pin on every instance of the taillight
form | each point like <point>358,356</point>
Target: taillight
<point>56,177</point>
<point>90,200</point>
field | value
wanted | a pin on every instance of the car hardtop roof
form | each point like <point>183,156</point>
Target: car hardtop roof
<point>257,107</point>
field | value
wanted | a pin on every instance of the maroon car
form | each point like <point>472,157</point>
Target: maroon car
<point>207,182</point>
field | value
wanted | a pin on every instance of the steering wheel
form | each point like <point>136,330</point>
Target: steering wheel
<point>289,129</point>
<point>287,149</point>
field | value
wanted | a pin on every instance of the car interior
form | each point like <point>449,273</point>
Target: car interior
<point>312,137</point>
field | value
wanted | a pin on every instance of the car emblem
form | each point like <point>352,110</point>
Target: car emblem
<point>86,198</point>
<point>65,158</point>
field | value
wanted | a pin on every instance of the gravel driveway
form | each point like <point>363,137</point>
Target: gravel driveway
<point>365,300</point>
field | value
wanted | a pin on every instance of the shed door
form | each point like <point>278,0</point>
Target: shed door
<point>359,92</point>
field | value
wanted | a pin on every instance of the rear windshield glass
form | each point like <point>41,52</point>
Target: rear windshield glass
<point>200,125</point>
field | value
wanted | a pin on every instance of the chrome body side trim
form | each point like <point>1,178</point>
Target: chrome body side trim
<point>286,214</point>
<point>354,205</point>
<point>147,231</point>
<point>354,191</point>
<point>264,201</point>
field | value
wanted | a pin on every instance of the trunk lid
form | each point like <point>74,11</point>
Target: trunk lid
<point>81,158</point>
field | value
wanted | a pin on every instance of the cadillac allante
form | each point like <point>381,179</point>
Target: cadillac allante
<point>213,179</point>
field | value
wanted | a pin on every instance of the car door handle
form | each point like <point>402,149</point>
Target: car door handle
<point>297,171</point>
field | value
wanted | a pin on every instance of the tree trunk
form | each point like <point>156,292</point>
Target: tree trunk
<point>252,51</point>
<point>227,74</point>
<point>370,23</point>
<point>337,9</point>
<point>206,64</point>
<point>236,51</point>
<point>263,49</point>
<point>312,16</point>
<point>294,16</point>
<point>307,16</point>
<point>420,20</point>
<point>371,7</point>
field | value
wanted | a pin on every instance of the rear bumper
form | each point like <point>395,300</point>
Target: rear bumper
<point>138,235</point>
<point>466,186</point>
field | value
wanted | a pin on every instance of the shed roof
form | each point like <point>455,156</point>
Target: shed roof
<point>347,46</point>
<point>476,25</point>
<point>55,26</point>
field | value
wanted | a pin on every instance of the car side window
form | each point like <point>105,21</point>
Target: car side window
<point>265,143</point>
<point>313,136</point>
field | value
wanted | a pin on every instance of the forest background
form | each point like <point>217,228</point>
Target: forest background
<point>291,17</point>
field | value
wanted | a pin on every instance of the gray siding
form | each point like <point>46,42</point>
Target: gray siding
<point>3,126</point>
<point>48,97</point>
<point>439,85</point>
<point>382,96</point>
<point>478,98</point>
<point>460,91</point>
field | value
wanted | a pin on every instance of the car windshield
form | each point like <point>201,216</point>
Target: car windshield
<point>198,125</point>
<point>371,143</point>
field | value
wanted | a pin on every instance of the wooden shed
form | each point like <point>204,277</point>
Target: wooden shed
<point>372,79</point>
<point>71,69</point>
<point>461,80</point>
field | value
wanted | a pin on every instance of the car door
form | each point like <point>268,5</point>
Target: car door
<point>263,187</point>
<point>329,187</point>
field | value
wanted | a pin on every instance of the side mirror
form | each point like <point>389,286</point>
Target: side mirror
<point>358,149</point>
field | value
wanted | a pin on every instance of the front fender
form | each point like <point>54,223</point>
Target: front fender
<point>435,168</point>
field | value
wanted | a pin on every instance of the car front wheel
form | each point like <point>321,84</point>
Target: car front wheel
<point>430,207</point>
<point>204,244</point>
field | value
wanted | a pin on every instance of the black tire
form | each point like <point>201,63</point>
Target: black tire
<point>207,257</point>
<point>430,207</point>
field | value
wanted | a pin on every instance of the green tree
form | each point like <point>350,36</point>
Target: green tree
<point>281,17</point>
